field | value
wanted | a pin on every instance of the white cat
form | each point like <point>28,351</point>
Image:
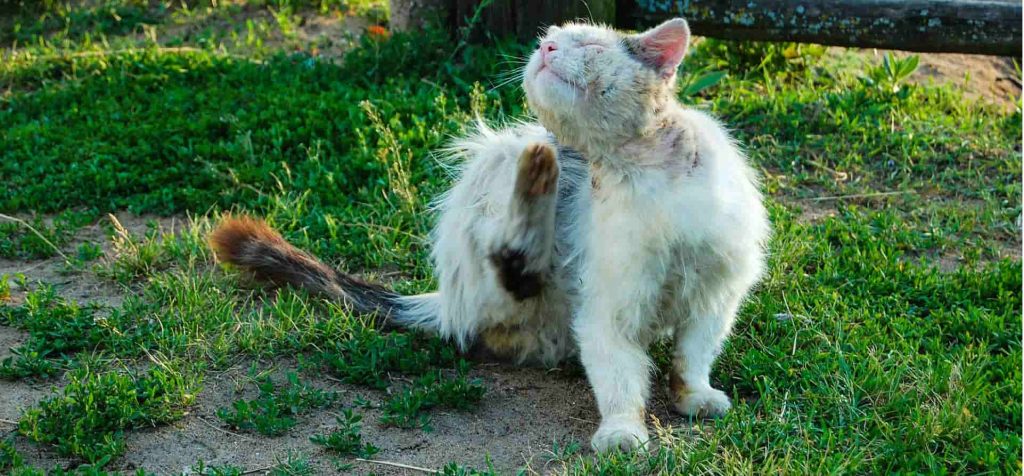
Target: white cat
<point>620,218</point>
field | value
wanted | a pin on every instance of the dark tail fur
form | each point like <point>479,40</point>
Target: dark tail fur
<point>252,245</point>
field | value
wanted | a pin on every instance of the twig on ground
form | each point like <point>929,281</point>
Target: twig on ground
<point>40,235</point>
<point>398,465</point>
<point>215,427</point>
<point>256,470</point>
<point>9,422</point>
<point>333,379</point>
<point>163,49</point>
<point>581,419</point>
<point>858,195</point>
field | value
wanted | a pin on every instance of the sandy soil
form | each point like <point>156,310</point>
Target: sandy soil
<point>522,414</point>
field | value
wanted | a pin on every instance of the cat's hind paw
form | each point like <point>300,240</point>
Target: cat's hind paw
<point>621,435</point>
<point>538,170</point>
<point>709,402</point>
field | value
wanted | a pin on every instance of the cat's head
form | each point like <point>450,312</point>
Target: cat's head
<point>590,79</point>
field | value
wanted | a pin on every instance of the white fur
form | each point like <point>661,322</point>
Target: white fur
<point>664,235</point>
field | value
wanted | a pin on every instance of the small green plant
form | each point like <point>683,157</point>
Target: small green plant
<point>346,439</point>
<point>133,257</point>
<point>408,408</point>
<point>25,363</point>
<point>293,464</point>
<point>395,158</point>
<point>273,412</point>
<point>87,252</point>
<point>692,84</point>
<point>87,419</point>
<point>57,329</point>
<point>563,451</point>
<point>454,469</point>
<point>893,71</point>
<point>10,459</point>
<point>284,17</point>
<point>202,469</point>
<point>5,288</point>
<point>368,357</point>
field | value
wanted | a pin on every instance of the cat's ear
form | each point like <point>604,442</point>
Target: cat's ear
<point>663,46</point>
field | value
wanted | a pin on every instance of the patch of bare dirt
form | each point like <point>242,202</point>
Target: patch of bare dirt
<point>79,284</point>
<point>812,211</point>
<point>321,35</point>
<point>17,396</point>
<point>522,414</point>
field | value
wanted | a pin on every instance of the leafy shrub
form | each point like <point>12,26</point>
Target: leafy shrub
<point>345,439</point>
<point>88,417</point>
<point>273,412</point>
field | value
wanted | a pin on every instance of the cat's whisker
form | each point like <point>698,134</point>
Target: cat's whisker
<point>504,78</point>
<point>590,14</point>
<point>514,58</point>
<point>509,77</point>
<point>505,83</point>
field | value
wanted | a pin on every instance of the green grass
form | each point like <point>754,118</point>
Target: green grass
<point>884,339</point>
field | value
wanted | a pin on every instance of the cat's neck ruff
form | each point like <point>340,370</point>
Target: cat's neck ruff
<point>663,144</point>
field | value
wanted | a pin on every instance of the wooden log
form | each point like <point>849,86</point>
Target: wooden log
<point>524,19</point>
<point>989,27</point>
<point>411,15</point>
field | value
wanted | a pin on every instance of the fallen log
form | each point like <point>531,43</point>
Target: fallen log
<point>989,27</point>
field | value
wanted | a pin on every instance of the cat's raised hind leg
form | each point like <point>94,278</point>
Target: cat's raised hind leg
<point>523,255</point>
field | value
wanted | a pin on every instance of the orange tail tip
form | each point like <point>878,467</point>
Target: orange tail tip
<point>255,247</point>
<point>234,233</point>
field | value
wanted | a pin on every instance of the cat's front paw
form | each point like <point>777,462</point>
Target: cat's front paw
<point>619,434</point>
<point>707,402</point>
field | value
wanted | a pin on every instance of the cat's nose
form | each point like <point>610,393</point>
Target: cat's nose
<point>546,48</point>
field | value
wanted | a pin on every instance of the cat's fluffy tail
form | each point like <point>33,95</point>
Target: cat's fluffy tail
<point>254,246</point>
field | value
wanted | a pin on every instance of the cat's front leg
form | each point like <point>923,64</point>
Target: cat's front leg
<point>522,257</point>
<point>618,371</point>
<point>622,282</point>
<point>697,343</point>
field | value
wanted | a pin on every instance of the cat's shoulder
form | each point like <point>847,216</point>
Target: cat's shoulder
<point>707,129</point>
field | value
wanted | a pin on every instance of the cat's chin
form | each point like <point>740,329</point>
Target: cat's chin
<point>552,90</point>
<point>550,74</point>
<point>553,101</point>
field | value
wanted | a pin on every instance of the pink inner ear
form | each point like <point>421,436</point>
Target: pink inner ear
<point>669,42</point>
